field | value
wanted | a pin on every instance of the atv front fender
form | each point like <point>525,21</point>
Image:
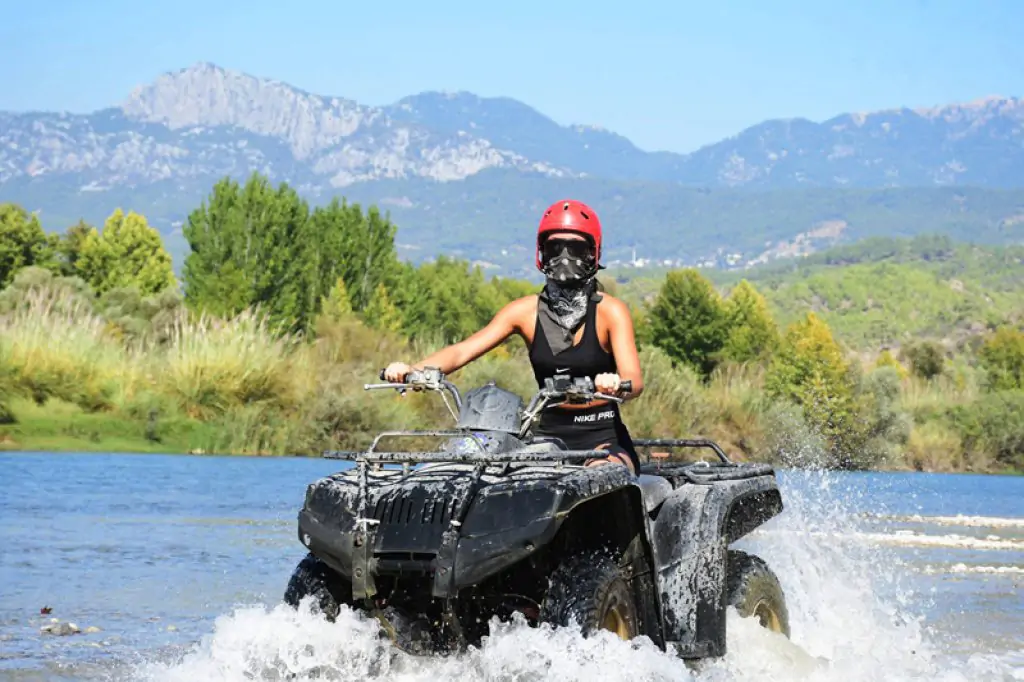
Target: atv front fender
<point>696,524</point>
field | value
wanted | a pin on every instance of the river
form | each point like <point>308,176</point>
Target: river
<point>181,563</point>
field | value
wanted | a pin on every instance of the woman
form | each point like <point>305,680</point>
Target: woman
<point>569,328</point>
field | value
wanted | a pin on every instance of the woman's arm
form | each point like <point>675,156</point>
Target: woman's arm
<point>623,341</point>
<point>507,321</point>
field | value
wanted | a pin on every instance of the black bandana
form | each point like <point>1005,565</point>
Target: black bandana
<point>562,309</point>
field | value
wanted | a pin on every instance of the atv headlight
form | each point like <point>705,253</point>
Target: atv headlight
<point>500,508</point>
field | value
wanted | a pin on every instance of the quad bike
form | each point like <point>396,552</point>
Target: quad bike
<point>435,543</point>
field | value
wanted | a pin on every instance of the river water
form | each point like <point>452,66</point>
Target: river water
<point>181,562</point>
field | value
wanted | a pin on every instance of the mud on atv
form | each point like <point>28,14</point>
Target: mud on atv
<point>497,521</point>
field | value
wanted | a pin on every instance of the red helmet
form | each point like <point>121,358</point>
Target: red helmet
<point>569,216</point>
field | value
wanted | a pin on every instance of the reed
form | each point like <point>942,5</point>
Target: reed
<point>54,346</point>
<point>210,366</point>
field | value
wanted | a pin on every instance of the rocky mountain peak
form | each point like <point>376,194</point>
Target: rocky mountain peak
<point>206,95</point>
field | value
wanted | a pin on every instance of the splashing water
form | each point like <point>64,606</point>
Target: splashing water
<point>849,606</point>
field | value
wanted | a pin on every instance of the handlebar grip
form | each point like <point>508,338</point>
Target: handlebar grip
<point>381,374</point>
<point>626,386</point>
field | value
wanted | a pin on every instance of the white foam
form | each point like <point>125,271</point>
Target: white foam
<point>908,538</point>
<point>978,570</point>
<point>842,629</point>
<point>959,520</point>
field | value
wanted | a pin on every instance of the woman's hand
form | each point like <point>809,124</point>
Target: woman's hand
<point>607,383</point>
<point>396,372</point>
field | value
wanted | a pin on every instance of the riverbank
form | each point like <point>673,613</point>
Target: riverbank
<point>73,378</point>
<point>59,426</point>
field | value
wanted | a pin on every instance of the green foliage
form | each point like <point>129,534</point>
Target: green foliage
<point>993,426</point>
<point>810,371</point>
<point>128,253</point>
<point>68,249</point>
<point>23,242</point>
<point>752,332</point>
<point>927,359</point>
<point>688,320</point>
<point>57,347</point>
<point>886,359</point>
<point>883,291</point>
<point>882,427</point>
<point>1002,356</point>
<point>142,318</point>
<point>260,246</point>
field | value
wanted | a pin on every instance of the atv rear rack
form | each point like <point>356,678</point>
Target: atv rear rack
<point>674,443</point>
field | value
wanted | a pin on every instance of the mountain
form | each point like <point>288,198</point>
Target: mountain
<point>470,174</point>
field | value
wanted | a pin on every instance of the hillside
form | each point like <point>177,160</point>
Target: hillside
<point>491,217</point>
<point>467,175</point>
<point>884,291</point>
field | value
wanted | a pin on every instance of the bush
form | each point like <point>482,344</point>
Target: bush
<point>1002,356</point>
<point>927,359</point>
<point>993,426</point>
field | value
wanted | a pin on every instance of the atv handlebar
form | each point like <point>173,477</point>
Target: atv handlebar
<point>557,390</point>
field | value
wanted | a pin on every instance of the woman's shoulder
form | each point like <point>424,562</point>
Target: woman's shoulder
<point>520,309</point>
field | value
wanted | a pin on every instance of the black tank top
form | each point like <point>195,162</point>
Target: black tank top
<point>586,359</point>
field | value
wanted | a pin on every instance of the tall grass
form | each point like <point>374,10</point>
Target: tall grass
<point>211,366</point>
<point>239,386</point>
<point>55,347</point>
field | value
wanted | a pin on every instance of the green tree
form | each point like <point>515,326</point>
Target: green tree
<point>1002,356</point>
<point>68,248</point>
<point>381,313</point>
<point>810,370</point>
<point>927,359</point>
<point>256,245</point>
<point>22,242</point>
<point>127,254</point>
<point>688,320</point>
<point>752,332</point>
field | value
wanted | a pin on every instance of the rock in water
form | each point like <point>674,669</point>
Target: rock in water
<point>60,629</point>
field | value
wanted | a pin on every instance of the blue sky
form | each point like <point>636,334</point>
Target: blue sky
<point>669,75</point>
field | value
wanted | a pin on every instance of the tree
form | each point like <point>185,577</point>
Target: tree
<point>688,320</point>
<point>752,332</point>
<point>809,370</point>
<point>1002,356</point>
<point>127,254</point>
<point>256,245</point>
<point>927,359</point>
<point>381,313</point>
<point>68,248</point>
<point>22,242</point>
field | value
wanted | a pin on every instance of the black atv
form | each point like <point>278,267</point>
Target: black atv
<point>495,522</point>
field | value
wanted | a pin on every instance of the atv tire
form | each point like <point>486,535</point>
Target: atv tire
<point>313,578</point>
<point>754,590</point>
<point>590,590</point>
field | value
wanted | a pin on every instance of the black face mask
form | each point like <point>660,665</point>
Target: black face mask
<point>569,262</point>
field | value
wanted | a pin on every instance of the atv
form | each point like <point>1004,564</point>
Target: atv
<point>495,522</point>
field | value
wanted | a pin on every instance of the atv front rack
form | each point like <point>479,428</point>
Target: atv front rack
<point>467,458</point>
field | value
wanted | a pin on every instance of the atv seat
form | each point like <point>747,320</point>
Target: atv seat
<point>654,489</point>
